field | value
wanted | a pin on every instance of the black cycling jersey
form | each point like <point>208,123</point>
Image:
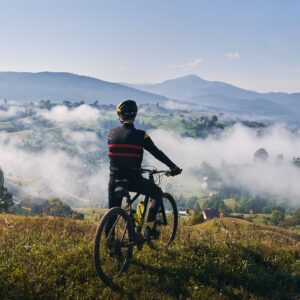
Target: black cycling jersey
<point>126,144</point>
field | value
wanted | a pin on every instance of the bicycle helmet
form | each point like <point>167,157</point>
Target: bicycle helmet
<point>127,108</point>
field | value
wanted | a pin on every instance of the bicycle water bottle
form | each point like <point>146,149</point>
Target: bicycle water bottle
<point>139,215</point>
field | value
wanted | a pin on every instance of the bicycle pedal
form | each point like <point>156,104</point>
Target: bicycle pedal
<point>140,245</point>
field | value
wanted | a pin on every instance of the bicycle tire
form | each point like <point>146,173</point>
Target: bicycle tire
<point>102,260</point>
<point>167,232</point>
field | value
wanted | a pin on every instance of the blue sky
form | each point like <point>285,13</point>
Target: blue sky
<point>252,44</point>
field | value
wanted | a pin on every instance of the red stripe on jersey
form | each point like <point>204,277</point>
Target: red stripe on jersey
<point>124,154</point>
<point>124,146</point>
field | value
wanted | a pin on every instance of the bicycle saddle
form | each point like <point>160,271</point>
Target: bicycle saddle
<point>121,189</point>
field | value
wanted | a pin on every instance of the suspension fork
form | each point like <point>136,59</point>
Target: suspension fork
<point>130,220</point>
<point>146,201</point>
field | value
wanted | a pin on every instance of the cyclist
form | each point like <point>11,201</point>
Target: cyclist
<point>126,144</point>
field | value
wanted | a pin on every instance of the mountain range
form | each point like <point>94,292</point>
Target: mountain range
<point>226,97</point>
<point>57,87</point>
<point>213,95</point>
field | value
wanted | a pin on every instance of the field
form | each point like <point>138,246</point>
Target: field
<point>92,214</point>
<point>51,258</point>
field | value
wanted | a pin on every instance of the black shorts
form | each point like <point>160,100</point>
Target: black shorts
<point>137,184</point>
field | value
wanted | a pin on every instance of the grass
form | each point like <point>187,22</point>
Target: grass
<point>171,122</point>
<point>92,214</point>
<point>51,258</point>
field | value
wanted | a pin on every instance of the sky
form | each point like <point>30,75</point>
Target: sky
<point>252,44</point>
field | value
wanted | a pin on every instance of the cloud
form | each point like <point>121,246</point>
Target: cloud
<point>232,55</point>
<point>189,65</point>
<point>123,68</point>
<point>11,112</point>
<point>53,173</point>
<point>62,114</point>
<point>63,168</point>
<point>194,64</point>
<point>232,155</point>
<point>174,105</point>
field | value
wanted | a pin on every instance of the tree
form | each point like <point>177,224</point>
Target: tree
<point>294,220</point>
<point>197,218</point>
<point>214,119</point>
<point>296,214</point>
<point>55,207</point>
<point>6,201</point>
<point>261,155</point>
<point>277,217</point>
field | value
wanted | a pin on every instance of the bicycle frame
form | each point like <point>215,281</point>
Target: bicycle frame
<point>146,202</point>
<point>116,234</point>
<point>128,207</point>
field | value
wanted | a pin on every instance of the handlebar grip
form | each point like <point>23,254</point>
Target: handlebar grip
<point>175,172</point>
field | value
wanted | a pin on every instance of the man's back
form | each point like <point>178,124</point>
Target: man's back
<point>125,145</point>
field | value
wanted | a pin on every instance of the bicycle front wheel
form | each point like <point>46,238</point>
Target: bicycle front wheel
<point>113,245</point>
<point>166,221</point>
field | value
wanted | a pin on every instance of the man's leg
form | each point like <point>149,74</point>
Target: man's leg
<point>147,187</point>
<point>112,202</point>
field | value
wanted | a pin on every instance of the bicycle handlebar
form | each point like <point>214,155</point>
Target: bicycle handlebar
<point>154,171</point>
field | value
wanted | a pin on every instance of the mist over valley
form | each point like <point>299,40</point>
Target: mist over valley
<point>51,149</point>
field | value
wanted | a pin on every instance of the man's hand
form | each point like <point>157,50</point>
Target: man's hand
<point>175,171</point>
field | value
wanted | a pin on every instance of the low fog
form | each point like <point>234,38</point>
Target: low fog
<point>53,172</point>
<point>62,115</point>
<point>232,154</point>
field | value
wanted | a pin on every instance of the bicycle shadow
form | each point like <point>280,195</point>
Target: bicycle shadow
<point>165,276</point>
<point>258,280</point>
<point>170,279</point>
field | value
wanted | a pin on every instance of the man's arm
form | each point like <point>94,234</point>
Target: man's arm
<point>158,154</point>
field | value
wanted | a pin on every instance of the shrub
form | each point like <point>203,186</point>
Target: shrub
<point>55,207</point>
<point>277,217</point>
<point>197,218</point>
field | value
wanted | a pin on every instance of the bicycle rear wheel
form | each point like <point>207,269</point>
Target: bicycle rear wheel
<point>166,222</point>
<point>113,245</point>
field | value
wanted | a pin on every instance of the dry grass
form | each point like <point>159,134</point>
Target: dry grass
<point>51,258</point>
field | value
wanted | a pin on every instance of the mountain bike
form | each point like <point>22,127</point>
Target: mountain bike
<point>118,234</point>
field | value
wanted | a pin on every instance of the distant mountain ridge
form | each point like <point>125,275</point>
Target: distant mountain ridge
<point>223,96</point>
<point>189,86</point>
<point>60,86</point>
<point>25,87</point>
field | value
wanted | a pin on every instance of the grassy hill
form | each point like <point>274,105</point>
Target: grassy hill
<point>51,258</point>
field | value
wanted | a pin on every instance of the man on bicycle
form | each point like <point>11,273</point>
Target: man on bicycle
<point>126,144</point>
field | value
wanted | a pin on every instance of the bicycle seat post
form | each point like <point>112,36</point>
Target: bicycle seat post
<point>151,176</point>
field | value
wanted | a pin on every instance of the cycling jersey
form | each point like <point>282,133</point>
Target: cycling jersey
<point>126,146</point>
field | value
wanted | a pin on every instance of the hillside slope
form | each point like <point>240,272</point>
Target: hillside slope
<point>27,87</point>
<point>43,257</point>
